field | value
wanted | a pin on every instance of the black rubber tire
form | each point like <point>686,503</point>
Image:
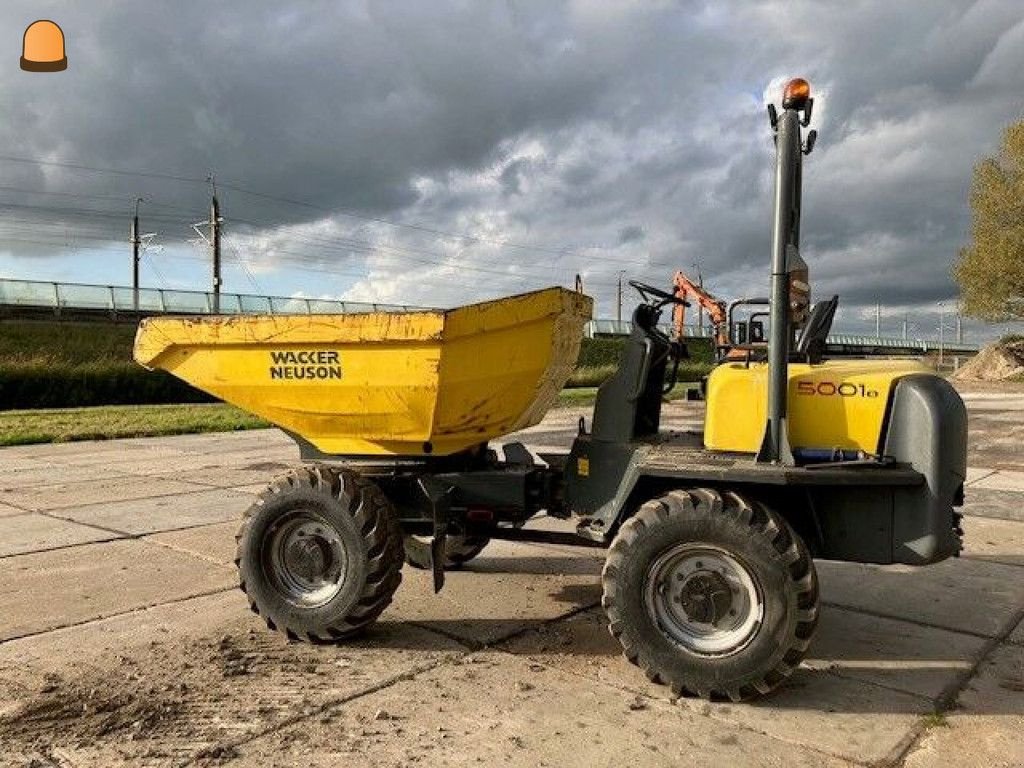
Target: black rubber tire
<point>366,523</point>
<point>748,531</point>
<point>458,551</point>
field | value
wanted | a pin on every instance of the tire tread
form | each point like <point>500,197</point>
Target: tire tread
<point>764,523</point>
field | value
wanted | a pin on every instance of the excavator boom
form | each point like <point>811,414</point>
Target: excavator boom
<point>686,289</point>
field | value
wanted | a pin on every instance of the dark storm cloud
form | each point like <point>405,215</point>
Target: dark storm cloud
<point>610,135</point>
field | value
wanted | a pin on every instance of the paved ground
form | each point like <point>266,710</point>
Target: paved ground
<point>124,642</point>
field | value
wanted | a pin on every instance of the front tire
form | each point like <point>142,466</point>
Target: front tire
<point>320,554</point>
<point>711,593</point>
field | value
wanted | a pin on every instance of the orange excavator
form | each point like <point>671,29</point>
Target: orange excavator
<point>686,289</point>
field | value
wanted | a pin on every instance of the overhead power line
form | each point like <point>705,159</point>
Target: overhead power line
<point>290,201</point>
<point>94,169</point>
<point>364,246</point>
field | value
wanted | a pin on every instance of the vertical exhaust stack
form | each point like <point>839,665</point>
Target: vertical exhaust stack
<point>790,293</point>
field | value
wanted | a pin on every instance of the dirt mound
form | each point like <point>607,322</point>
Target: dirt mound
<point>1001,361</point>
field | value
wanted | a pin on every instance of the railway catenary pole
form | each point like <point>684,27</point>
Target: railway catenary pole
<point>136,241</point>
<point>215,222</point>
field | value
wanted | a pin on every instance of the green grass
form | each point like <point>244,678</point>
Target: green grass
<point>113,421</point>
<point>935,720</point>
<point>108,422</point>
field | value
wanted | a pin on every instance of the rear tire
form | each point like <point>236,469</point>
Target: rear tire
<point>320,554</point>
<point>711,593</point>
<point>458,550</point>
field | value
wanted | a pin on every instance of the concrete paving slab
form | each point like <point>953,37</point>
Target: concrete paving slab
<point>157,687</point>
<point>507,589</point>
<point>250,490</point>
<point>268,435</point>
<point>58,451</point>
<point>1003,480</point>
<point>6,510</point>
<point>855,720</point>
<point>212,542</point>
<point>13,461</point>
<point>996,540</point>
<point>896,654</point>
<point>835,703</point>
<point>163,513</point>
<point>49,474</point>
<point>201,464</point>
<point>983,502</point>
<point>230,441</point>
<point>494,709</point>
<point>45,590</point>
<point>984,729</point>
<point>106,452</point>
<point>33,532</point>
<point>581,645</point>
<point>935,594</point>
<point>177,466</point>
<point>231,477</point>
<point>82,492</point>
<point>257,456</point>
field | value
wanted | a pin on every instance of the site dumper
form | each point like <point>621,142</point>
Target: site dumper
<point>709,582</point>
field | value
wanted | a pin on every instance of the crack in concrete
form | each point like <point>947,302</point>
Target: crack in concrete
<point>118,535</point>
<point>988,473</point>
<point>116,614</point>
<point>947,699</point>
<point>905,620</point>
<point>200,488</point>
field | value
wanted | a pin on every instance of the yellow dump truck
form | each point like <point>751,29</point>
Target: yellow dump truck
<point>709,582</point>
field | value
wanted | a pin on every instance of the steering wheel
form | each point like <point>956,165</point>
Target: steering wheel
<point>647,291</point>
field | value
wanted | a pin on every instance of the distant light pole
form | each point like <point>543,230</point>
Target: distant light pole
<point>618,311</point>
<point>942,330</point>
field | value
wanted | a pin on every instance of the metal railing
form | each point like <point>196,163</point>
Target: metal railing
<point>59,297</point>
<point>923,345</point>
<point>623,328</point>
<point>112,298</point>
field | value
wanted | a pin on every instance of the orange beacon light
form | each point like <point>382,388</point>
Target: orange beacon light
<point>796,94</point>
<point>42,48</point>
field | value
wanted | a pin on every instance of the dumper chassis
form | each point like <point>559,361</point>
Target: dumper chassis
<point>709,581</point>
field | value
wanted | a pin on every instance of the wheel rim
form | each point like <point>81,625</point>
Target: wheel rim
<point>704,599</point>
<point>305,558</point>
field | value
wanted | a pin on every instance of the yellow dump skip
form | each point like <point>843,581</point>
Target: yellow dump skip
<point>407,384</point>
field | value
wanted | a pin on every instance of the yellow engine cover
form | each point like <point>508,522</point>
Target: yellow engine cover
<point>836,404</point>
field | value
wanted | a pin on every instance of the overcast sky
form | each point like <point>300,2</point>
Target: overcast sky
<point>441,152</point>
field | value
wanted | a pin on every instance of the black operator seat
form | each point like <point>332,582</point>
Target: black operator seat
<point>811,346</point>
